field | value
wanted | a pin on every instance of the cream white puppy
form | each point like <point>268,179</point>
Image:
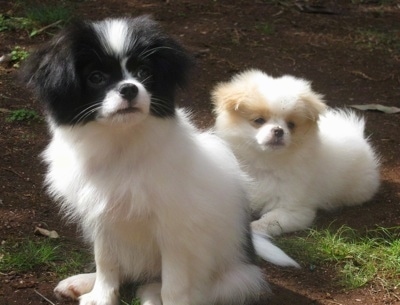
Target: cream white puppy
<point>300,155</point>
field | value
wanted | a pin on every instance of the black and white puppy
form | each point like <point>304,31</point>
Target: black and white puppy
<point>162,203</point>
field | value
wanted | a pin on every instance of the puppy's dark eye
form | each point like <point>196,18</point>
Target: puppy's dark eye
<point>97,78</point>
<point>259,121</point>
<point>291,125</point>
<point>143,72</point>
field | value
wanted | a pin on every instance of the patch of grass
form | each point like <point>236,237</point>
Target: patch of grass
<point>266,28</point>
<point>37,18</point>
<point>9,23</point>
<point>378,39</point>
<point>27,255</point>
<point>133,302</point>
<point>23,115</point>
<point>72,263</point>
<point>18,54</point>
<point>359,259</point>
<point>45,14</point>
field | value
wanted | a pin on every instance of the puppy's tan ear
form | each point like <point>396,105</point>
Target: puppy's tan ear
<point>314,105</point>
<point>225,97</point>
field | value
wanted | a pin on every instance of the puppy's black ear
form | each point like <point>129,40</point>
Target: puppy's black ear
<point>51,73</point>
<point>169,60</point>
<point>49,65</point>
<point>172,59</point>
<point>175,62</point>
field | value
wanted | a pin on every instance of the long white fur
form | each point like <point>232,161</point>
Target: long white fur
<point>271,253</point>
<point>161,198</point>
<point>126,187</point>
<point>115,33</point>
<point>332,167</point>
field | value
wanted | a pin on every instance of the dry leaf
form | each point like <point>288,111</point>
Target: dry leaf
<point>44,232</point>
<point>377,107</point>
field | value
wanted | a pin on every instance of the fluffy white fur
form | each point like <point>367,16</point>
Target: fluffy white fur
<point>301,156</point>
<point>159,199</point>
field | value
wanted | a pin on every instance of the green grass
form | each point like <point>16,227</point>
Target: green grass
<point>41,254</point>
<point>27,255</point>
<point>50,255</point>
<point>372,38</point>
<point>36,18</point>
<point>18,54</point>
<point>359,259</point>
<point>22,115</point>
<point>72,263</point>
<point>48,14</point>
<point>266,28</point>
<point>9,23</point>
<point>135,301</point>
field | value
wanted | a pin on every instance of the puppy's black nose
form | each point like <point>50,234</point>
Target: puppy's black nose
<point>278,132</point>
<point>128,91</point>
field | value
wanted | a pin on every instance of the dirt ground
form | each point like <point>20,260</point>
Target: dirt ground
<point>350,50</point>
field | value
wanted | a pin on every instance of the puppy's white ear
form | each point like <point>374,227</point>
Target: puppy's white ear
<point>314,105</point>
<point>226,97</point>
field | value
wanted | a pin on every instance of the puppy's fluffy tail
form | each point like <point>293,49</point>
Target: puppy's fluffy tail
<point>271,253</point>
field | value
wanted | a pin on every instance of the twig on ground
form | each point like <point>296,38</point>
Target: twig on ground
<point>365,76</point>
<point>47,27</point>
<point>44,298</point>
<point>10,98</point>
<point>333,302</point>
<point>14,172</point>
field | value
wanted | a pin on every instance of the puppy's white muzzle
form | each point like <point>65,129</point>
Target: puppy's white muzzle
<point>128,102</point>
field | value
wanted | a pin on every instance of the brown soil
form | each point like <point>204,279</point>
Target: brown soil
<point>335,51</point>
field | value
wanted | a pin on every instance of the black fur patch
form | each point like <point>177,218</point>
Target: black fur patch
<point>58,71</point>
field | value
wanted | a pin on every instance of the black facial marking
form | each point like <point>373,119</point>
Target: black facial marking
<point>73,72</point>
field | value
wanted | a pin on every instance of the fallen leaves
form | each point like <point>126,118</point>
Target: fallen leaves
<point>47,233</point>
<point>377,107</point>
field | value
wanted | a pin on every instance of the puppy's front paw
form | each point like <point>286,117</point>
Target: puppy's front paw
<point>281,220</point>
<point>267,225</point>
<point>109,297</point>
<point>75,286</point>
<point>150,294</point>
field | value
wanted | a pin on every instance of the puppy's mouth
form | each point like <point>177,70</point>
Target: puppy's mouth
<point>275,144</point>
<point>127,110</point>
